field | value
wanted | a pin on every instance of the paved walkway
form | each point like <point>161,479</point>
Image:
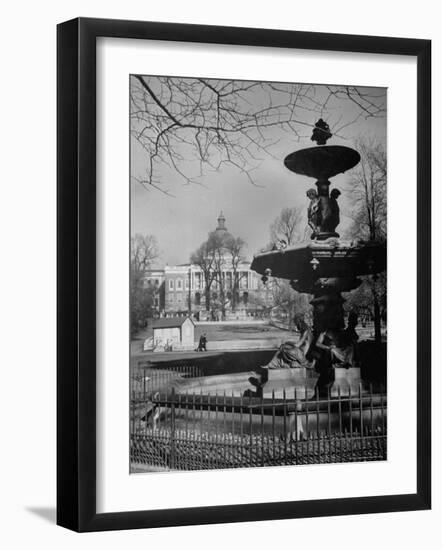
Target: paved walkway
<point>217,332</point>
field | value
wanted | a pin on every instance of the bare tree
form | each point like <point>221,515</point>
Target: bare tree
<point>287,226</point>
<point>204,258</point>
<point>228,122</point>
<point>144,250</point>
<point>368,191</point>
<point>370,299</point>
<point>219,258</point>
<point>368,194</point>
<point>234,247</point>
<point>289,303</point>
<point>217,243</point>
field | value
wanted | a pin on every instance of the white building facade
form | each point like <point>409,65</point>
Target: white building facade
<point>185,292</point>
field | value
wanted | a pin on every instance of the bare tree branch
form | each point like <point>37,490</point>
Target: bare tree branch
<point>184,123</point>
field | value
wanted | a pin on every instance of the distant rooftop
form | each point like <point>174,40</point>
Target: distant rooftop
<point>169,322</point>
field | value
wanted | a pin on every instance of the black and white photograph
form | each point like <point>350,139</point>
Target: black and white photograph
<point>258,273</point>
<point>221,249</point>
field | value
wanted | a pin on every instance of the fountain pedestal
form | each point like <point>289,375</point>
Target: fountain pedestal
<point>328,312</point>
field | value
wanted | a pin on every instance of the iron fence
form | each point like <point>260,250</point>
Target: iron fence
<point>179,430</point>
<point>147,378</point>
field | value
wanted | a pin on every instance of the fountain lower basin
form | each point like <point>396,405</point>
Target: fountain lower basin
<point>295,382</point>
<point>308,262</point>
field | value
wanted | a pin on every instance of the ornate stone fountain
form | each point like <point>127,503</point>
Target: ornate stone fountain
<point>323,267</point>
<point>327,265</point>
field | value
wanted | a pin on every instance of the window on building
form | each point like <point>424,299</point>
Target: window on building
<point>179,297</point>
<point>197,298</point>
<point>244,279</point>
<point>187,283</point>
<point>198,281</point>
<point>245,298</point>
<point>179,284</point>
<point>170,284</point>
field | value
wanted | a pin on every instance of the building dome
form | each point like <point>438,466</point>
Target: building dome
<point>221,227</point>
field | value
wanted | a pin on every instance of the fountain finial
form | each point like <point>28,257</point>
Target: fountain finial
<point>321,132</point>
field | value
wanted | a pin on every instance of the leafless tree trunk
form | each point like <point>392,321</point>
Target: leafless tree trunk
<point>234,248</point>
<point>203,258</point>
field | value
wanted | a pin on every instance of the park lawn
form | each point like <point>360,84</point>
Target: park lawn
<point>223,331</point>
<point>218,332</point>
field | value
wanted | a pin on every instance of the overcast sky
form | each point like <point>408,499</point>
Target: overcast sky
<point>181,222</point>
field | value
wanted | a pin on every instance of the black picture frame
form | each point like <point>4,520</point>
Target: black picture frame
<point>76,272</point>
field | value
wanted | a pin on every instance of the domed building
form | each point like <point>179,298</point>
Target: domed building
<point>238,295</point>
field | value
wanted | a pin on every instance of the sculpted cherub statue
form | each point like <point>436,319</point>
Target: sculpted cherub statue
<point>313,211</point>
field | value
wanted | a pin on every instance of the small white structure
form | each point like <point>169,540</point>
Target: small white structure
<point>173,333</point>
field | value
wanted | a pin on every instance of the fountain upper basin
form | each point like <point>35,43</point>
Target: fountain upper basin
<point>322,162</point>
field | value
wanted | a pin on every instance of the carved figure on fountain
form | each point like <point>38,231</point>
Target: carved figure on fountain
<point>334,217</point>
<point>328,219</point>
<point>314,212</point>
<point>323,211</point>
